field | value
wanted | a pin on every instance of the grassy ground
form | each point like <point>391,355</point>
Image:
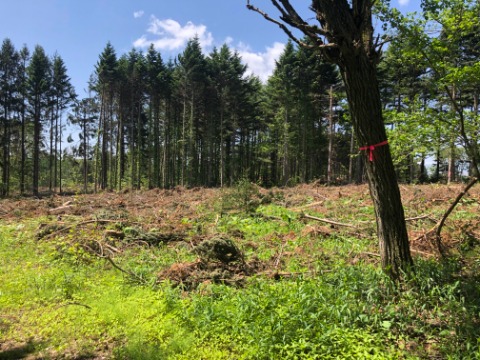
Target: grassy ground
<point>234,274</point>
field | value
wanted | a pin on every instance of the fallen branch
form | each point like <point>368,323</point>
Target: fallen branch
<point>371,254</point>
<point>453,205</point>
<point>418,218</point>
<point>309,205</point>
<point>331,222</point>
<point>437,229</point>
<point>75,303</point>
<point>133,275</point>
<point>61,209</point>
<point>421,252</point>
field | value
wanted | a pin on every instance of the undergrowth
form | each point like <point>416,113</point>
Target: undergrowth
<point>328,299</point>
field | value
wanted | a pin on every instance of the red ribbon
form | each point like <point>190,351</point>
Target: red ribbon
<point>371,148</point>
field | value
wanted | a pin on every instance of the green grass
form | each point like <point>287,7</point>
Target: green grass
<point>59,301</point>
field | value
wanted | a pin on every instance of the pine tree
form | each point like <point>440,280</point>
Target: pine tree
<point>24,57</point>
<point>106,82</point>
<point>9,60</point>
<point>191,78</point>
<point>63,94</point>
<point>39,82</point>
<point>85,115</point>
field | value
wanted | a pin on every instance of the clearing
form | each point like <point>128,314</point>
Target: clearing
<point>240,273</point>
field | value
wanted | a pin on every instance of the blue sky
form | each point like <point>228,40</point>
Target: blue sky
<point>78,30</point>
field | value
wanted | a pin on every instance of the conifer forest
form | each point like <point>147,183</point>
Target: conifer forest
<point>198,120</point>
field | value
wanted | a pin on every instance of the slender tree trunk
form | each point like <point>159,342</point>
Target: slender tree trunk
<point>451,164</point>
<point>344,35</point>
<point>350,159</point>
<point>85,153</point>
<point>60,160</point>
<point>37,128</point>
<point>183,144</point>
<point>285,159</point>
<point>57,143</point>
<point>331,135</point>
<point>24,153</point>
<point>6,154</point>
<point>51,157</point>
<point>222,148</point>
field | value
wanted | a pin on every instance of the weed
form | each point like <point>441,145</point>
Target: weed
<point>331,302</point>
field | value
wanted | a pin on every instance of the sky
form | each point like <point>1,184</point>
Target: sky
<point>78,30</point>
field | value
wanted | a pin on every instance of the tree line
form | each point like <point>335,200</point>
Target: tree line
<point>198,120</point>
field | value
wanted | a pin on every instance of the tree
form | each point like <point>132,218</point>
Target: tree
<point>313,81</point>
<point>191,78</point>
<point>85,114</point>
<point>445,40</point>
<point>22,111</point>
<point>225,125</point>
<point>343,35</point>
<point>107,78</point>
<point>156,89</point>
<point>8,92</point>
<point>62,95</point>
<point>38,83</point>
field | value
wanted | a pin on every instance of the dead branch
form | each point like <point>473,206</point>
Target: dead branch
<point>371,254</point>
<point>112,248</point>
<point>61,209</point>
<point>306,216</point>
<point>454,204</point>
<point>421,252</point>
<point>74,303</point>
<point>129,273</point>
<point>418,218</point>
<point>290,16</point>
<point>309,205</point>
<point>437,229</point>
<point>114,234</point>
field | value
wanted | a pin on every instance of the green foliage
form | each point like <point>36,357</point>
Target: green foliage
<point>433,61</point>
<point>331,301</point>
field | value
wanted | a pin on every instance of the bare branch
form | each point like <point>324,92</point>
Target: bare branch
<point>452,206</point>
<point>281,25</point>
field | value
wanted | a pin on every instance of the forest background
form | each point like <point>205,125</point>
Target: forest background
<point>199,120</point>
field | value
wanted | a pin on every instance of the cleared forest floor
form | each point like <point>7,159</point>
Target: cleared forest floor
<point>244,272</point>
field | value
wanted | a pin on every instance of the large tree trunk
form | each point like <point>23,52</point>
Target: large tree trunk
<point>344,36</point>
<point>360,79</point>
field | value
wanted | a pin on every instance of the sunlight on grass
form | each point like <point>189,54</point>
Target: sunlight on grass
<point>322,296</point>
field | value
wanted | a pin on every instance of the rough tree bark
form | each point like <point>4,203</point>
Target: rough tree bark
<point>343,34</point>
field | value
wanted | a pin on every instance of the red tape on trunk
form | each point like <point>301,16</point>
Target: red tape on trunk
<point>371,149</point>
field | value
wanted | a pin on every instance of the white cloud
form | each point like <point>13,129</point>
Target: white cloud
<point>138,14</point>
<point>403,2</point>
<point>170,35</point>
<point>261,64</point>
